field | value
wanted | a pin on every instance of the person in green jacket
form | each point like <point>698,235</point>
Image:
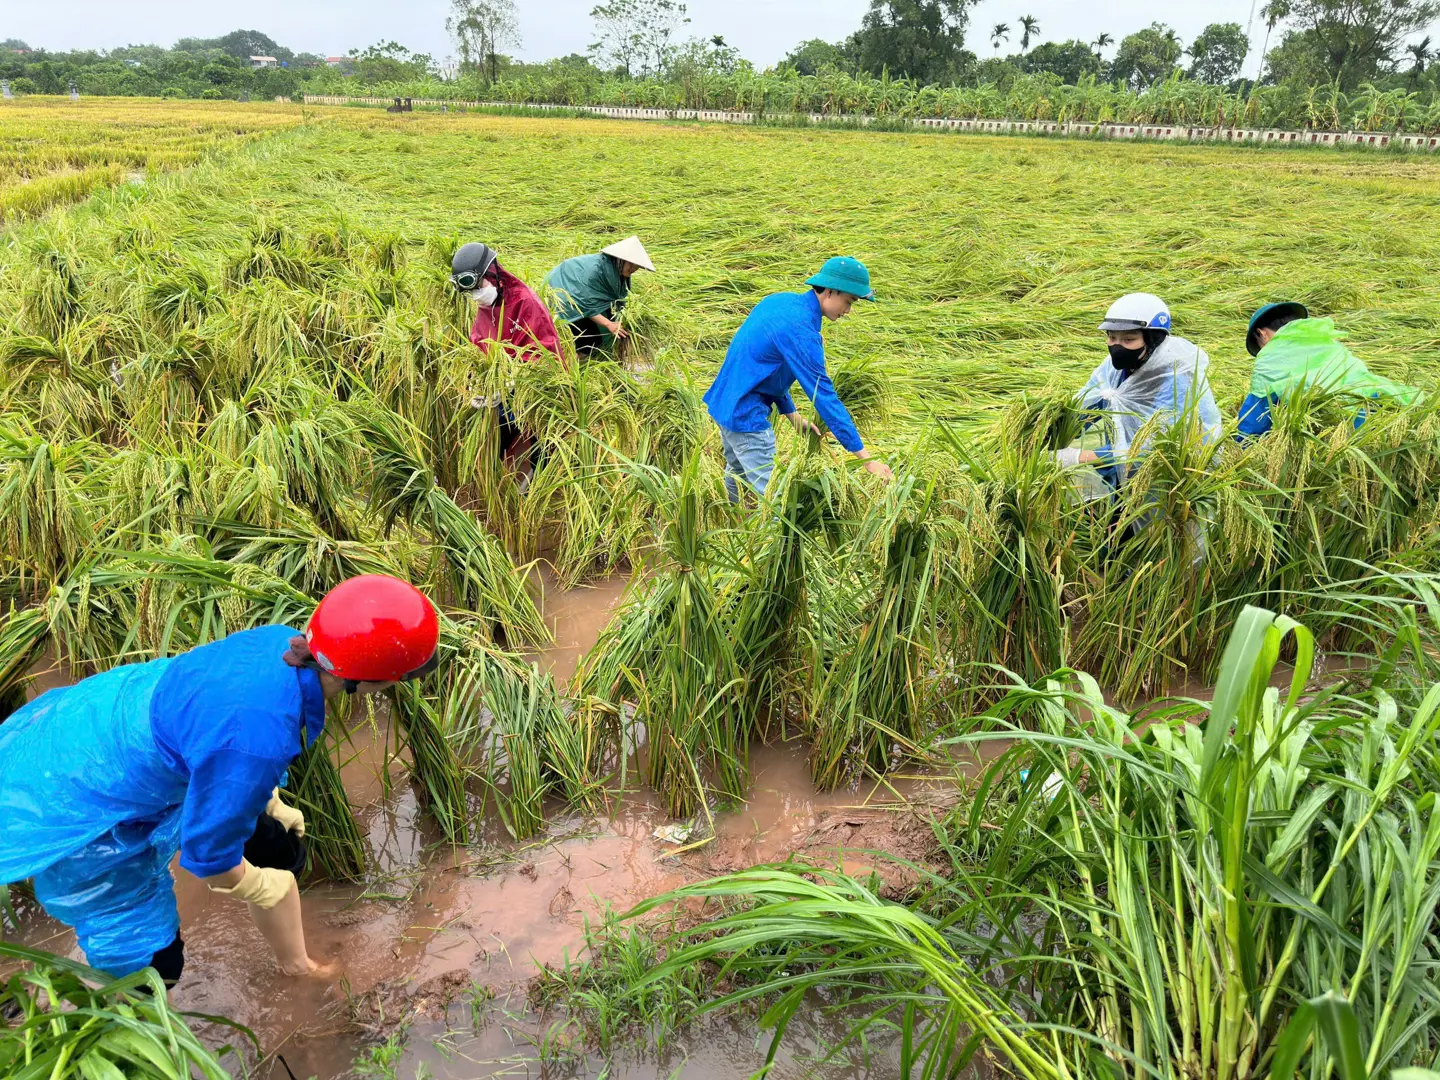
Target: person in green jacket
<point>589,291</point>
<point>1292,351</point>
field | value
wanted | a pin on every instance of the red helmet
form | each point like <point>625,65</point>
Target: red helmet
<point>374,628</point>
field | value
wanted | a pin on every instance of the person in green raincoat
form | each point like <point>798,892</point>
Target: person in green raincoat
<point>1293,351</point>
<point>589,291</point>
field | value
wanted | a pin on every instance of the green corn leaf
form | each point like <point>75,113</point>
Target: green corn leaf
<point>1336,1021</point>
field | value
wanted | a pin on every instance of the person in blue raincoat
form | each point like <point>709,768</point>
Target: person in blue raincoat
<point>778,345</point>
<point>101,783</point>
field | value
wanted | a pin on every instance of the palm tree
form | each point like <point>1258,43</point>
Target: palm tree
<point>1421,52</point>
<point>1029,26</point>
<point>1101,41</point>
<point>1000,32</point>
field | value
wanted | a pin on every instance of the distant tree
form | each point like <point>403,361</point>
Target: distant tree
<point>1147,56</point>
<point>14,45</point>
<point>809,57</point>
<point>1071,60</point>
<point>1029,27</point>
<point>480,29</point>
<point>921,39</point>
<point>998,33</point>
<point>1218,53</point>
<point>241,44</point>
<point>389,61</point>
<point>1102,41</point>
<point>1422,53</point>
<point>637,35</point>
<point>1352,41</point>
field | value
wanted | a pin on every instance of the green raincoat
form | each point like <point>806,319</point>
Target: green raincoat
<point>586,286</point>
<point>1310,352</point>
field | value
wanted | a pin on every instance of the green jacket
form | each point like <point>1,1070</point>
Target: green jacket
<point>586,286</point>
<point>1310,352</point>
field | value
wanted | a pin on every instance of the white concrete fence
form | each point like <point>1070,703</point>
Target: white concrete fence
<point>1034,127</point>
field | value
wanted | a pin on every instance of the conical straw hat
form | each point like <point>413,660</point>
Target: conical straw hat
<point>631,251</point>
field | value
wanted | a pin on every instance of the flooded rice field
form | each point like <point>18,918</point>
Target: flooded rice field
<point>435,953</point>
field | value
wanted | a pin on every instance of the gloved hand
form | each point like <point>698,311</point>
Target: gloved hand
<point>1069,457</point>
<point>288,816</point>
<point>263,886</point>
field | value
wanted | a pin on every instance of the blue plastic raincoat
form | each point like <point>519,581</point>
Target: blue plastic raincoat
<point>101,783</point>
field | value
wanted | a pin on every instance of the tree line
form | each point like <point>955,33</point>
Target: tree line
<point>1320,61</point>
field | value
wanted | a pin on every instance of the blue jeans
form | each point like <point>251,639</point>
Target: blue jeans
<point>749,455</point>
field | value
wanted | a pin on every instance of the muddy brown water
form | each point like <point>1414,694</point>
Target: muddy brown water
<point>448,940</point>
<point>437,922</point>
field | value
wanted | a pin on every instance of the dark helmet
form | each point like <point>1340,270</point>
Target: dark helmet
<point>1289,310</point>
<point>469,265</point>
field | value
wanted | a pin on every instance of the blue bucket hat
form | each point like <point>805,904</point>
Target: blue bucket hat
<point>844,274</point>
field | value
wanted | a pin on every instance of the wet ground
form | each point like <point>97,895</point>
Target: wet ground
<point>447,939</point>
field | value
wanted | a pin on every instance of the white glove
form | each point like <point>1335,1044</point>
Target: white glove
<point>263,886</point>
<point>1069,457</point>
<point>288,816</point>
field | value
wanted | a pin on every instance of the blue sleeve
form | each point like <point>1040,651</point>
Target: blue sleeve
<point>785,403</point>
<point>805,354</point>
<point>228,791</point>
<point>1108,466</point>
<point>1255,417</point>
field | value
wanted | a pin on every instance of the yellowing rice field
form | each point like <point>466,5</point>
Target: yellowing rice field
<point>229,389</point>
<point>55,151</point>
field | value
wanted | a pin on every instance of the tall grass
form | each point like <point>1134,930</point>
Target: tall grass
<point>1161,897</point>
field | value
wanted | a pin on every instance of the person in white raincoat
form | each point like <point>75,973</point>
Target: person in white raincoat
<point>1150,372</point>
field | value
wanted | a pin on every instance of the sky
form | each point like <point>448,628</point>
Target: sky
<point>763,30</point>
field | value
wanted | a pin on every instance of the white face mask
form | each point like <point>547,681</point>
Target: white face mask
<point>485,296</point>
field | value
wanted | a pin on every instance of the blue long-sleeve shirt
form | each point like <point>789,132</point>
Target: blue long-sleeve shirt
<point>229,716</point>
<point>777,346</point>
<point>183,751</point>
<point>1255,419</point>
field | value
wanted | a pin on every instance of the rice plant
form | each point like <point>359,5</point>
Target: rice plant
<point>669,652</point>
<point>70,1021</point>
<point>1174,897</point>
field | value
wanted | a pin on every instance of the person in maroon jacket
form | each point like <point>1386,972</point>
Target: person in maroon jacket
<point>510,317</point>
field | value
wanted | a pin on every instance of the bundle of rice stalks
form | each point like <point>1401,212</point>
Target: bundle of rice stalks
<point>471,569</point>
<point>671,652</point>
<point>1015,554</point>
<point>1147,608</point>
<point>873,704</point>
<point>791,588</point>
<point>46,517</point>
<point>438,772</point>
<point>337,847</point>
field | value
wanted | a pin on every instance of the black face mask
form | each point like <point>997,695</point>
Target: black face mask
<point>1127,359</point>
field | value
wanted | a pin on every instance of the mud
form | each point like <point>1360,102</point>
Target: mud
<point>444,938</point>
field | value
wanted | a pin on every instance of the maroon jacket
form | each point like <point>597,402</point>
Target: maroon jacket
<point>518,322</point>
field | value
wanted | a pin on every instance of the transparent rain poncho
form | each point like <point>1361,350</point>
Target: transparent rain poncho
<point>1172,381</point>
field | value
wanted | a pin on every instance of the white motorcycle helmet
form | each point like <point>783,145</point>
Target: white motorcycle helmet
<point>1138,311</point>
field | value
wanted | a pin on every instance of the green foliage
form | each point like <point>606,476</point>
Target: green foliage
<point>1190,894</point>
<point>1218,53</point>
<point>1147,56</point>
<point>66,1021</point>
<point>919,39</point>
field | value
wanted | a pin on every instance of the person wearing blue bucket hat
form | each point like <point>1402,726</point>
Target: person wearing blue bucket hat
<point>778,345</point>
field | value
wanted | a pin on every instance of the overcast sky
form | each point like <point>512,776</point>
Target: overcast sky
<point>763,30</point>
